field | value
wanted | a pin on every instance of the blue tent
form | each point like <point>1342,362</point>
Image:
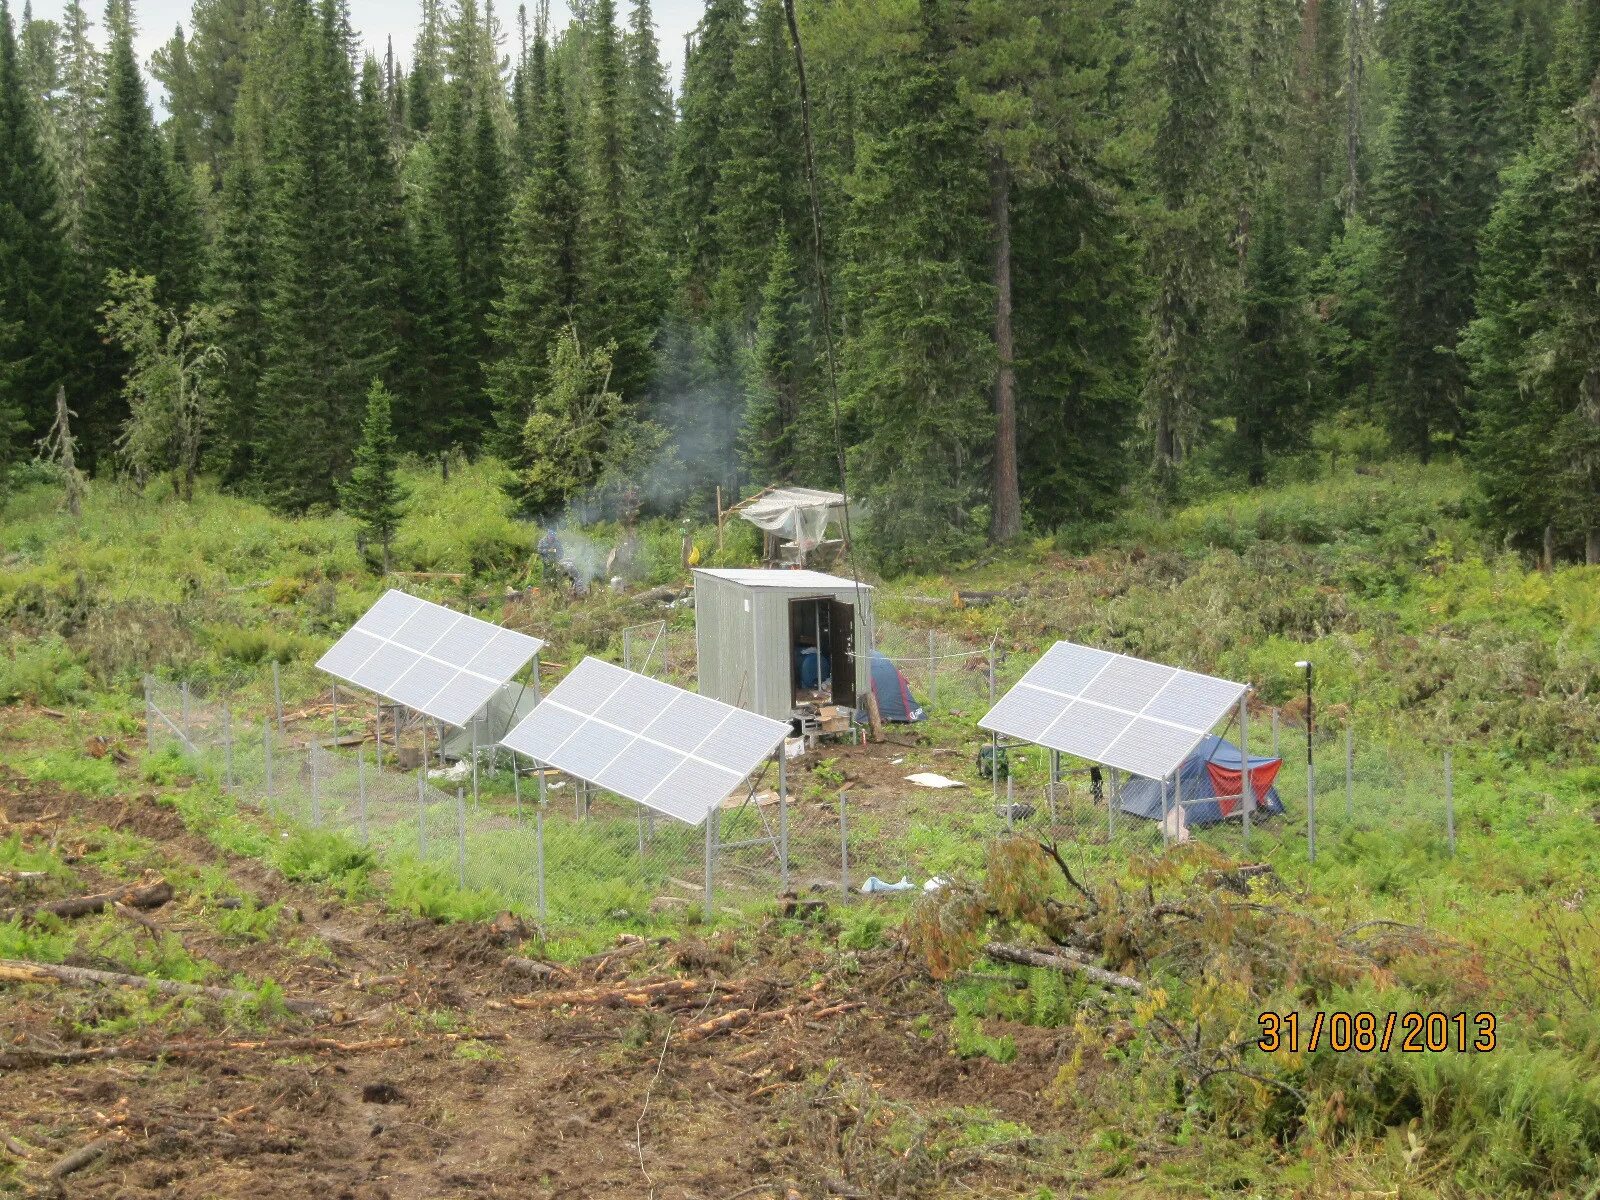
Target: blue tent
<point>1194,780</point>
<point>895,701</point>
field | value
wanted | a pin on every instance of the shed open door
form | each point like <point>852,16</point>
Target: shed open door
<point>842,650</point>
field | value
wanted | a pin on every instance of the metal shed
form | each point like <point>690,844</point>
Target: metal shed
<point>755,628</point>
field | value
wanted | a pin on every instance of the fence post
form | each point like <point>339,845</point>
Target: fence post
<point>149,719</point>
<point>783,816</point>
<point>377,733</point>
<point>183,714</point>
<point>712,818</point>
<point>1011,800</point>
<point>1275,753</point>
<point>1247,785</point>
<point>1055,773</point>
<point>316,790</point>
<point>844,851</point>
<point>227,747</point>
<point>627,650</point>
<point>664,663</point>
<point>277,694</point>
<point>516,784</point>
<point>461,839</point>
<point>933,675</point>
<point>266,755</point>
<point>336,714</point>
<point>538,848</point>
<point>474,762</point>
<point>422,814</point>
<point>1449,804</point>
<point>1349,771</point>
<point>361,793</point>
<point>1166,828</point>
<point>1311,812</point>
<point>1113,796</point>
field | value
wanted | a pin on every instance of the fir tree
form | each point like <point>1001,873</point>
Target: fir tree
<point>203,76</point>
<point>43,310</point>
<point>374,495</point>
<point>543,286</point>
<point>238,284</point>
<point>1273,375</point>
<point>921,364</point>
<point>569,434</point>
<point>702,149</point>
<point>787,434</point>
<point>78,110</point>
<point>649,112</point>
<point>423,89</point>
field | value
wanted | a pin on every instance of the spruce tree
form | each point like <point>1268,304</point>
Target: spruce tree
<point>1273,372</point>
<point>203,75</point>
<point>649,114</point>
<point>701,150</point>
<point>424,88</point>
<point>238,284</point>
<point>1186,218</point>
<point>787,432</point>
<point>44,326</point>
<point>1514,431</point>
<point>920,366</point>
<point>374,495</point>
<point>78,111</point>
<point>543,286</point>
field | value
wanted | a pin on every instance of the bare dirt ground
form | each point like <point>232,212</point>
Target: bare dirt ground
<point>466,1094</point>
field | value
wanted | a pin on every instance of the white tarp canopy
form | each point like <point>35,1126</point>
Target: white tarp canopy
<point>795,514</point>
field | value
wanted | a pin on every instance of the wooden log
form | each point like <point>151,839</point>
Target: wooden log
<point>134,895</point>
<point>533,968</point>
<point>15,971</point>
<point>1061,959</point>
<point>728,1020</point>
<point>157,1051</point>
<point>85,1155</point>
<point>624,996</point>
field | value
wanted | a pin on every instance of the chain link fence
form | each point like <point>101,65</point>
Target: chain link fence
<point>579,856</point>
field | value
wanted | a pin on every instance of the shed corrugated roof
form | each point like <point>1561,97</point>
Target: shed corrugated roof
<point>787,580</point>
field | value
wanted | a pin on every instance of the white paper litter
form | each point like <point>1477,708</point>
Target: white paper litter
<point>931,779</point>
<point>455,773</point>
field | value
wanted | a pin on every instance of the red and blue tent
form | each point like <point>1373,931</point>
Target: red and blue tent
<point>1214,776</point>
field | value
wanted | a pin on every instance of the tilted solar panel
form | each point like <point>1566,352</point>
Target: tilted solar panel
<point>671,750</point>
<point>1125,712</point>
<point>428,657</point>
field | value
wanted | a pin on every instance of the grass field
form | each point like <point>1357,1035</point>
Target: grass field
<point>1426,640</point>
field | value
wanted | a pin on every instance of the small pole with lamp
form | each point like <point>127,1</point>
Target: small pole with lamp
<point>1311,772</point>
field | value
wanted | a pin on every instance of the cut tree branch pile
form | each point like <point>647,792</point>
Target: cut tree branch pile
<point>1061,959</point>
<point>153,1052</point>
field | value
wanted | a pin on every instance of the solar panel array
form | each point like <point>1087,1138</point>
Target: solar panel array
<point>671,750</point>
<point>428,657</point>
<point>1124,712</point>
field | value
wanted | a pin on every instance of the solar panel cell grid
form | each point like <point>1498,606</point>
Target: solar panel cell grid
<point>541,733</point>
<point>590,684</point>
<point>463,696</point>
<point>425,627</point>
<point>591,749</point>
<point>1085,729</point>
<point>639,769</point>
<point>464,641</point>
<point>391,611</point>
<point>387,664</point>
<point>348,654</point>
<point>1152,749</point>
<point>1127,683</point>
<point>1067,668</point>
<point>1024,712</point>
<point>421,683</point>
<point>636,703</point>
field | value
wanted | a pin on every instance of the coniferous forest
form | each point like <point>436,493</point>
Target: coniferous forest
<point>1003,263</point>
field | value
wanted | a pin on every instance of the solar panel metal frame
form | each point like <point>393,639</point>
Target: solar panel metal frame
<point>403,640</point>
<point>681,759</point>
<point>1125,712</point>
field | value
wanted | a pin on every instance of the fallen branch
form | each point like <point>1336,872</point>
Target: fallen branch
<point>722,1024</point>
<point>23,876</point>
<point>1062,960</point>
<point>533,968</point>
<point>155,1052</point>
<point>626,996</point>
<point>82,1157</point>
<point>134,895</point>
<point>14,971</point>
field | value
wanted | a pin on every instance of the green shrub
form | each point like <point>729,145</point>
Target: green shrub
<point>319,856</point>
<point>75,772</point>
<point>42,671</point>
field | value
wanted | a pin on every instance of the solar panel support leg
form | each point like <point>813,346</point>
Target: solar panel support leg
<point>1247,785</point>
<point>783,819</point>
<point>516,784</point>
<point>711,858</point>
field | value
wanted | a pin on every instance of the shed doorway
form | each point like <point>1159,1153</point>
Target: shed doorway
<point>822,651</point>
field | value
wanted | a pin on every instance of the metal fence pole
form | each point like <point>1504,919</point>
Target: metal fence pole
<point>1311,812</point>
<point>1247,785</point>
<point>538,847</point>
<point>933,675</point>
<point>844,851</point>
<point>783,818</point>
<point>316,790</point>
<point>516,783</point>
<point>1349,771</point>
<point>1112,799</point>
<point>711,857</point>
<point>377,733</point>
<point>361,793</point>
<point>266,755</point>
<point>422,814</point>
<point>1166,829</point>
<point>1055,774</point>
<point>474,763</point>
<point>227,747</point>
<point>1011,800</point>
<point>335,713</point>
<point>1449,804</point>
<point>461,839</point>
<point>149,719</point>
<point>183,713</point>
<point>627,650</point>
<point>277,694</point>
<point>1275,734</point>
